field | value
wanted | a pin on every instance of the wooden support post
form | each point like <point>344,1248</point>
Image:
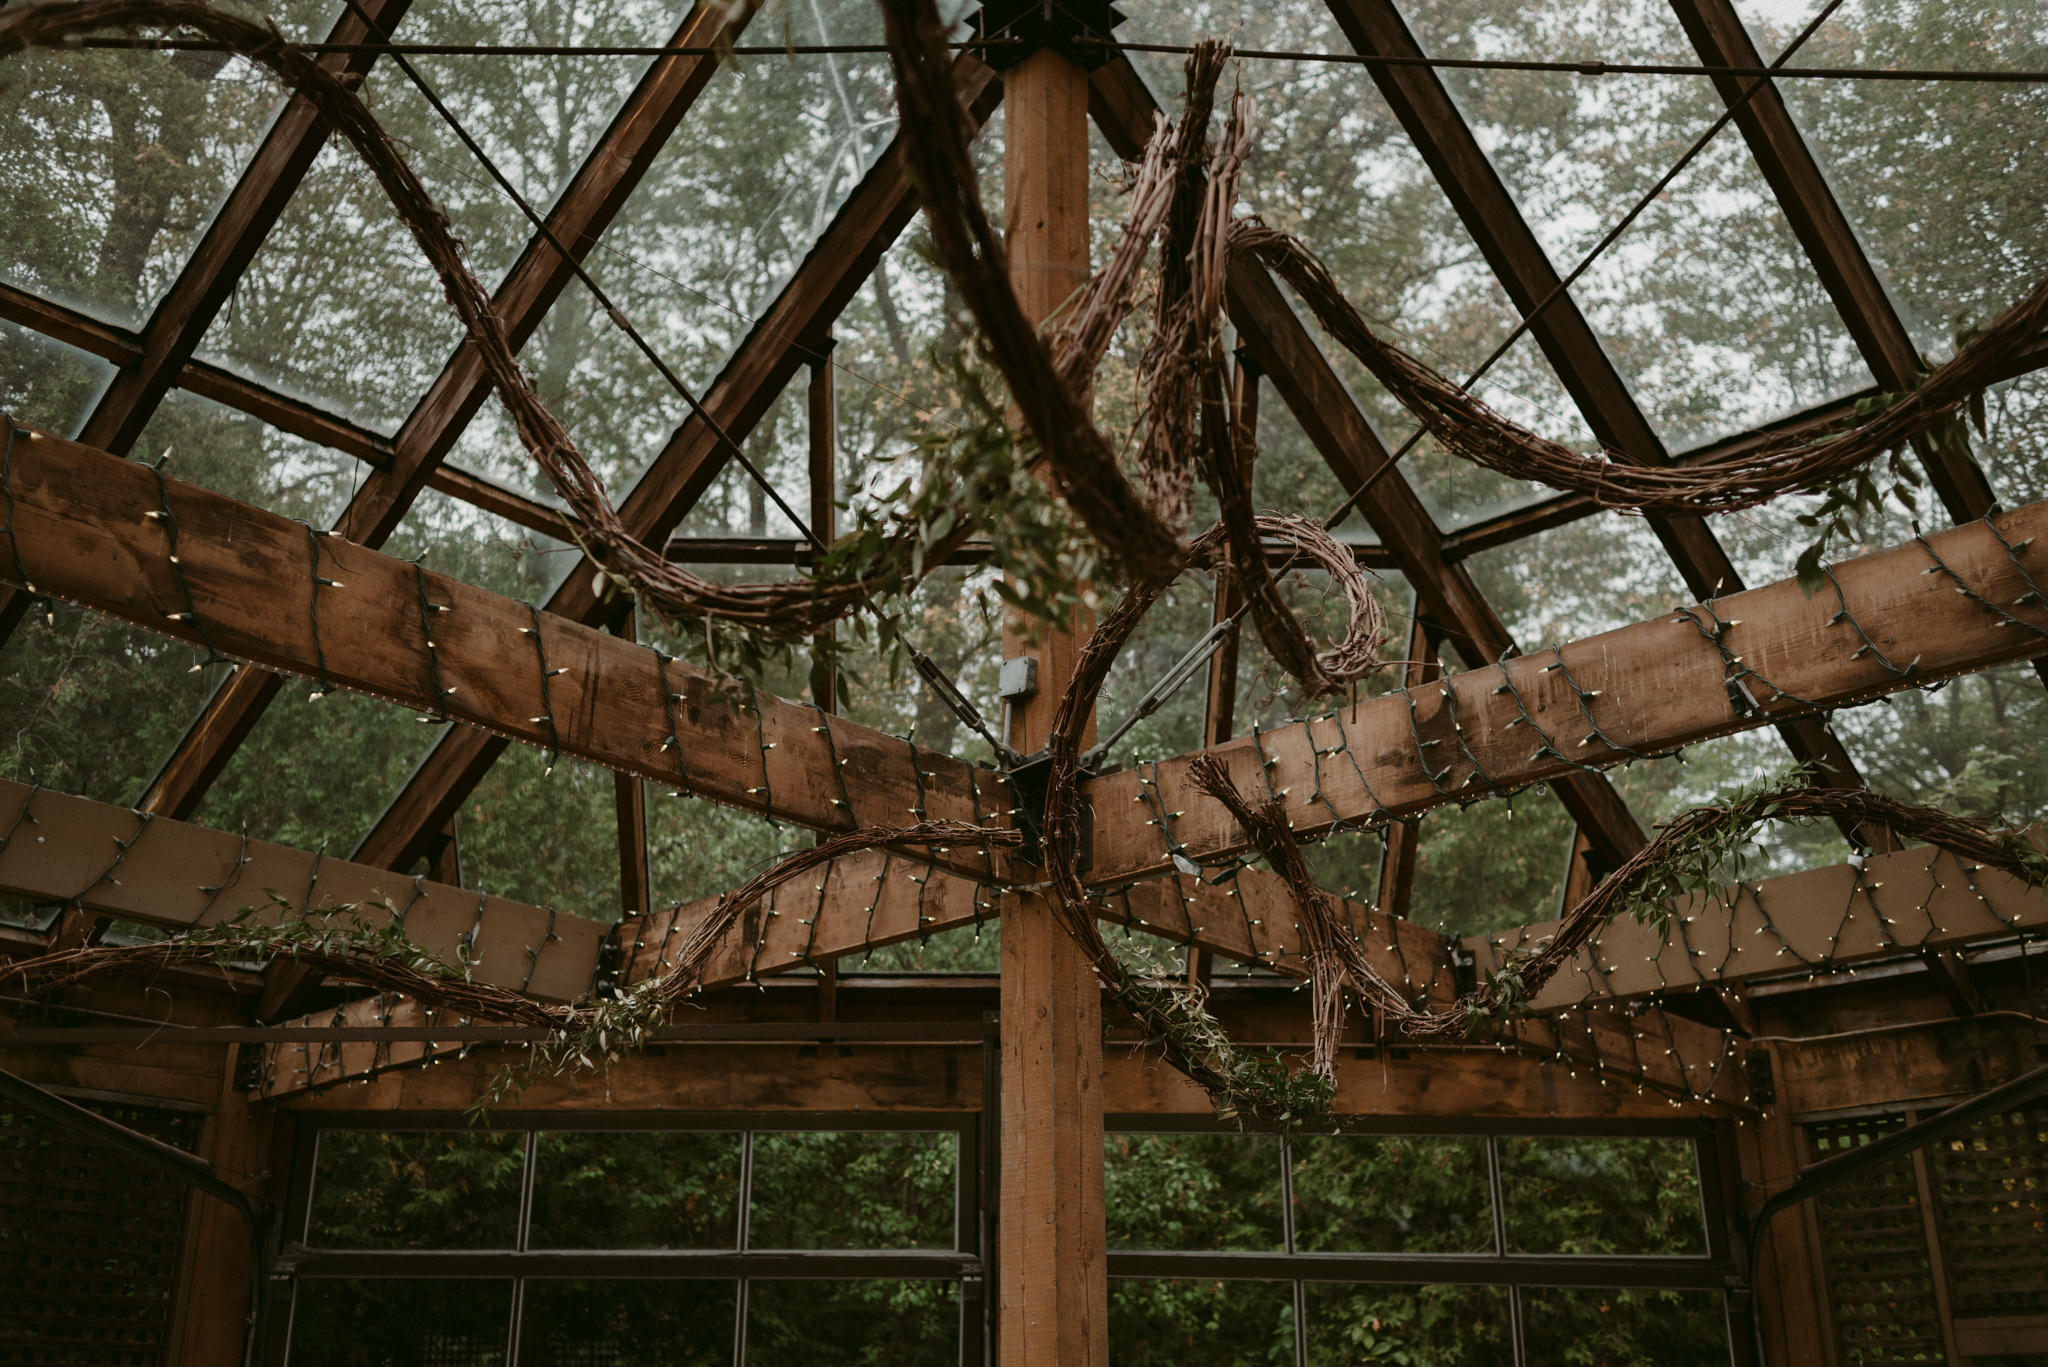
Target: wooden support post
<point>1054,1289</point>
<point>822,414</point>
<point>210,1315</point>
<point>629,795</point>
<point>1791,1292</point>
<point>1404,838</point>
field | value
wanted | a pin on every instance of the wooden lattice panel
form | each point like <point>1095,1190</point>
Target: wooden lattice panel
<point>1873,1237</point>
<point>89,1242</point>
<point>1991,1188</point>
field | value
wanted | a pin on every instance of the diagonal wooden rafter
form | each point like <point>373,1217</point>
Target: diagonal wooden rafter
<point>209,275</point>
<point>1452,151</point>
<point>637,135</point>
<point>1960,601</point>
<point>1289,356</point>
<point>113,861</point>
<point>1824,231</point>
<point>870,220</point>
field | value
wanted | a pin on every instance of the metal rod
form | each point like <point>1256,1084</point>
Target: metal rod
<point>756,1032</point>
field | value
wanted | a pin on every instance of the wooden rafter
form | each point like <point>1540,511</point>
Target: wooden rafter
<point>587,206</point>
<point>1498,228</point>
<point>113,861</point>
<point>869,221</point>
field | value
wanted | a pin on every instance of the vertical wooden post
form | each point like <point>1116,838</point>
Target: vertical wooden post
<point>1793,1317</point>
<point>1397,869</point>
<point>822,423</point>
<point>1054,1291</point>
<point>209,1319</point>
<point>629,799</point>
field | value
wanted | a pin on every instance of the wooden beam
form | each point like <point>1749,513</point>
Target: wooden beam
<point>1647,688</point>
<point>1910,902</point>
<point>1677,1058</point>
<point>1504,237</point>
<point>587,206</point>
<point>211,1304</point>
<point>245,581</point>
<point>870,219</point>
<point>1052,1247</point>
<point>160,871</point>
<point>1792,1300</point>
<point>868,900</point>
<point>1404,838</point>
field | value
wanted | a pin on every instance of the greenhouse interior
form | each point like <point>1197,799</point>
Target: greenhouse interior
<point>883,682</point>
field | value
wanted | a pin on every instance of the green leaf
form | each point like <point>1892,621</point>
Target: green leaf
<point>1811,575</point>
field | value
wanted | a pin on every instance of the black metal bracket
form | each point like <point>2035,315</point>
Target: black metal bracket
<point>1077,29</point>
<point>1028,783</point>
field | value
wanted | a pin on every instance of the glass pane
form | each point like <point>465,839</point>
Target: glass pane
<point>1421,1326</point>
<point>1670,1328</point>
<point>1185,1323</point>
<point>1193,1191</point>
<point>1579,580</point>
<point>416,1189</point>
<point>1602,1196</point>
<point>245,458</point>
<point>1391,1194</point>
<point>1492,865</point>
<point>853,1324</point>
<point>645,1323</point>
<point>46,384</point>
<point>113,163</point>
<point>1707,301</point>
<point>644,1190</point>
<point>1659,789</point>
<point>91,705</point>
<point>418,1322</point>
<point>814,1189</point>
<point>544,833</point>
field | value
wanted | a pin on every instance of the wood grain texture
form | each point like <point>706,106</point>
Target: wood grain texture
<point>1654,686</point>
<point>68,850</point>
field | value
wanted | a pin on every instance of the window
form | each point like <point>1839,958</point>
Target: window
<point>822,1242</point>
<point>1432,1250</point>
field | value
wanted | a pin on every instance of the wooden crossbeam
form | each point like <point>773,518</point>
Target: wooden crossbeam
<point>1655,1050</point>
<point>1814,921</point>
<point>111,861</point>
<point>873,215</point>
<point>872,899</point>
<point>1643,689</point>
<point>246,581</point>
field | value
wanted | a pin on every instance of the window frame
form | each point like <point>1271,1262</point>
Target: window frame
<point>964,1264</point>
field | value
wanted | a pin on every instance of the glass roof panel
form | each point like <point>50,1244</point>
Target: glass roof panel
<point>1659,789</point>
<point>245,458</point>
<point>1492,865</point>
<point>1971,747</point>
<point>45,383</point>
<point>113,162</point>
<point>90,704</point>
<point>339,305</point>
<point>1945,181</point>
<point>1578,580</point>
<point>546,838</point>
<point>1707,303</point>
<point>1332,165</point>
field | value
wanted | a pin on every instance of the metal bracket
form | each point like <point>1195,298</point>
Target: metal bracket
<point>1028,781</point>
<point>1077,29</point>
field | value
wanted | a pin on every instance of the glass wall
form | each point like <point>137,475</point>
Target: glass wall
<point>849,1243</point>
<point>1426,1250</point>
